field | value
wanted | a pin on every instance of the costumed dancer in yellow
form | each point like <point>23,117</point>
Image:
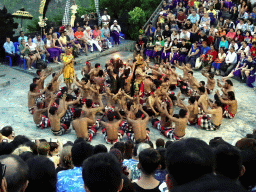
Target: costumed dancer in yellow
<point>69,71</point>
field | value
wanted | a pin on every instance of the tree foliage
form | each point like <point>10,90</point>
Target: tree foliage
<point>136,21</point>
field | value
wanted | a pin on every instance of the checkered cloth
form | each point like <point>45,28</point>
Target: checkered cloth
<point>44,123</point>
<point>227,114</point>
<point>67,118</point>
<point>40,99</point>
<point>169,133</point>
<point>66,19</point>
<point>205,123</point>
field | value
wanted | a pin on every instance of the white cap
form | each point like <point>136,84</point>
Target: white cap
<point>115,21</point>
<point>88,28</point>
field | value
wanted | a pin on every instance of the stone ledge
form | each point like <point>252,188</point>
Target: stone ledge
<point>4,83</point>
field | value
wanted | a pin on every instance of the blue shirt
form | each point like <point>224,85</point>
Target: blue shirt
<point>25,38</point>
<point>205,50</point>
<point>9,47</point>
<point>160,175</point>
<point>224,44</point>
<point>193,19</point>
<point>70,180</point>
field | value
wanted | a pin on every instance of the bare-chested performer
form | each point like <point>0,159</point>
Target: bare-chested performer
<point>55,81</point>
<point>191,87</point>
<point>43,74</point>
<point>86,69</point>
<point>214,122</point>
<point>151,103</point>
<point>230,108</point>
<point>193,110</point>
<point>84,85</point>
<point>228,86</point>
<point>90,112</point>
<point>148,85</point>
<point>32,95</point>
<point>210,82</point>
<point>80,125</point>
<point>100,80</point>
<point>140,131</point>
<point>40,115</point>
<point>111,131</point>
<point>178,131</point>
<point>95,71</point>
<point>193,83</point>
<point>57,127</point>
<point>173,78</point>
<point>165,122</point>
<point>203,99</point>
<point>185,68</point>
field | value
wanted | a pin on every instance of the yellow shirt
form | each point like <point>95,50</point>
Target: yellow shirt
<point>63,40</point>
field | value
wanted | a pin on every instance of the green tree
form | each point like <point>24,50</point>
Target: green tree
<point>136,21</point>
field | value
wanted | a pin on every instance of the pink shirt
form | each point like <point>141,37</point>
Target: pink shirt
<point>231,35</point>
<point>96,33</point>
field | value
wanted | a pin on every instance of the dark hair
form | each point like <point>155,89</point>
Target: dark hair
<point>77,113</point>
<point>149,159</point>
<point>26,155</point>
<point>100,148</point>
<point>159,143</point>
<point>189,159</point>
<point>211,75</point>
<point>102,170</point>
<point>97,65</point>
<point>229,82</point>
<point>201,89</point>
<point>80,152</point>
<point>32,86</point>
<point>151,144</point>
<point>135,149</point>
<point>19,140</point>
<point>52,110</point>
<point>35,79</point>
<point>17,172</point>
<point>203,83</point>
<point>167,144</point>
<point>7,131</point>
<point>120,146</point>
<point>231,95</point>
<point>192,99</point>
<point>111,116</point>
<point>6,148</point>
<point>138,114</point>
<point>182,113</point>
<point>88,103</point>
<point>100,73</point>
<point>53,74</point>
<point>42,174</point>
<point>162,152</point>
<point>38,71</point>
<point>191,72</point>
<point>228,161</point>
<point>32,146</point>
<point>129,147</point>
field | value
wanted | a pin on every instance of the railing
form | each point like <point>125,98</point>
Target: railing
<point>154,16</point>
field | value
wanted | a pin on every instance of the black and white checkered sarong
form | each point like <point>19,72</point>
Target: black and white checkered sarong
<point>66,19</point>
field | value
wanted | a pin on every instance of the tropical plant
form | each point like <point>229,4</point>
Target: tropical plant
<point>136,21</point>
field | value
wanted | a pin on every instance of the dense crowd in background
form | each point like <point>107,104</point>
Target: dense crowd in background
<point>121,98</point>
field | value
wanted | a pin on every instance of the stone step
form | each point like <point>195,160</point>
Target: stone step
<point>4,82</point>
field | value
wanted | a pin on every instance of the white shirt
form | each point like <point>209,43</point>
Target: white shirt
<point>231,57</point>
<point>32,47</point>
<point>175,37</point>
<point>87,35</point>
<point>115,28</point>
<point>185,36</point>
<point>246,49</point>
<point>48,43</point>
<point>235,46</point>
<point>104,18</point>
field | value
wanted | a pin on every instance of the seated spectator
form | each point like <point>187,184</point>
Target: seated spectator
<point>158,32</point>
<point>230,60</point>
<point>211,56</point>
<point>73,177</point>
<point>253,50</point>
<point>248,37</point>
<point>16,173</point>
<point>149,29</point>
<point>223,43</point>
<point>79,35</point>
<point>194,17</point>
<point>8,132</point>
<point>41,47</point>
<point>193,54</point>
<point>63,39</point>
<point>33,51</point>
<point>102,170</point>
<point>139,47</point>
<point>159,143</point>
<point>231,35</point>
<point>149,162</point>
<point>228,25</point>
<point>115,32</point>
<point>97,35</point>
<point>197,175</point>
<point>205,22</point>
<point>65,162</point>
<point>161,173</point>
<point>166,33</point>
<point>88,37</point>
<point>244,48</point>
<point>181,18</point>
<point>42,174</point>
<point>239,36</point>
<point>233,44</point>
<point>54,53</point>
<point>129,147</point>
<point>241,25</point>
<point>22,36</point>
<point>185,34</point>
<point>10,51</point>
<point>106,34</point>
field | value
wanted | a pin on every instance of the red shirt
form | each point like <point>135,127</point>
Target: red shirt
<point>79,34</point>
<point>213,53</point>
<point>181,17</point>
<point>253,51</point>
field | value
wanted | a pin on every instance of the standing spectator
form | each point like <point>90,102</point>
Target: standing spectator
<point>194,17</point>
<point>149,161</point>
<point>16,174</point>
<point>102,171</point>
<point>105,18</point>
<point>115,32</point>
<point>73,177</point>
<point>10,51</point>
<point>22,36</point>
<point>42,174</point>
<point>139,46</point>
